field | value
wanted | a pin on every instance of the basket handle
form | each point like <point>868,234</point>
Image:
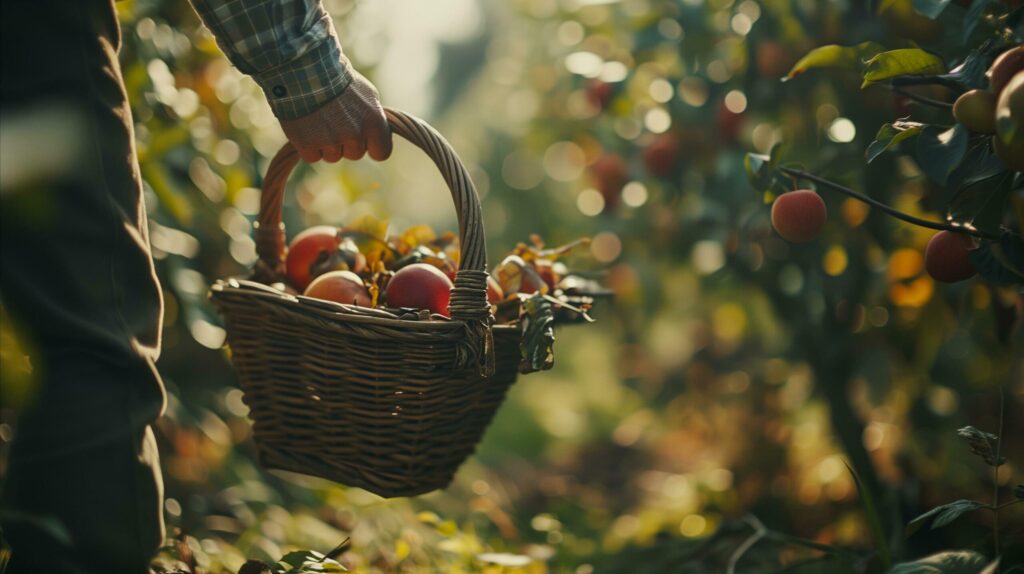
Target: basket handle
<point>469,295</point>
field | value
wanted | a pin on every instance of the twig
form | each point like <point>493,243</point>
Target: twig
<point>922,99</point>
<point>799,174</point>
<point>797,541</point>
<point>759,533</point>
<point>926,81</point>
<point>1004,505</point>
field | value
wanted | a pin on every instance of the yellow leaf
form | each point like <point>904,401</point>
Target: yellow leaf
<point>418,235</point>
<point>448,528</point>
<point>402,550</point>
<point>903,62</point>
<point>428,517</point>
<point>835,56</point>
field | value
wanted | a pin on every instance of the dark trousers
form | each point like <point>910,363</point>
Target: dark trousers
<point>83,490</point>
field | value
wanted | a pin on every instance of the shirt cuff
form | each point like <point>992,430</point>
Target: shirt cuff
<point>301,86</point>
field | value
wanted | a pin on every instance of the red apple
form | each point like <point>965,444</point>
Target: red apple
<point>946,257</point>
<point>341,287</point>
<point>662,155</point>
<point>798,216</point>
<point>546,269</point>
<point>494,293</point>
<point>600,93</point>
<point>1004,68</point>
<point>610,173</point>
<point>516,276</point>
<point>420,286</point>
<point>304,250</point>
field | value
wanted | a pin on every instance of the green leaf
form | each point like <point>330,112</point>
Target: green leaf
<point>835,56</point>
<point>873,518</point>
<point>953,562</point>
<point>903,62</point>
<point>943,515</point>
<point>981,202</point>
<point>889,135</point>
<point>259,567</point>
<point>298,558</point>
<point>930,8</point>
<point>537,345</point>
<point>759,172</point>
<point>982,444</point>
<point>1000,262</point>
<point>970,73</point>
<point>979,163</point>
<point>776,153</point>
<point>940,150</point>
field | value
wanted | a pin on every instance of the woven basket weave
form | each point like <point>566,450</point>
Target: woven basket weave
<point>365,397</point>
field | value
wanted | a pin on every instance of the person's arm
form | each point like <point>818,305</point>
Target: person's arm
<point>326,108</point>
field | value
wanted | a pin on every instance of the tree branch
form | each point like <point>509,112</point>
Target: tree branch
<point>798,174</point>
<point>921,99</point>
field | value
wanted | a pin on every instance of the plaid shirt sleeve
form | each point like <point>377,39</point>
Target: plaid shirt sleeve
<point>288,46</point>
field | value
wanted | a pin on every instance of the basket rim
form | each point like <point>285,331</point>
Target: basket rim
<point>338,311</point>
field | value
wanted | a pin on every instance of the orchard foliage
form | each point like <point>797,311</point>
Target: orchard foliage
<point>976,166</point>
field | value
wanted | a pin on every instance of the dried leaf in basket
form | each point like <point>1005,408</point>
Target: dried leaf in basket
<point>537,250</point>
<point>537,344</point>
<point>370,235</point>
<point>415,236</point>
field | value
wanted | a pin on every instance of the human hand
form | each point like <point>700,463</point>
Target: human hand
<point>348,126</point>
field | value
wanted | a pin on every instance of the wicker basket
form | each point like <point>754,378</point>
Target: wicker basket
<point>393,404</point>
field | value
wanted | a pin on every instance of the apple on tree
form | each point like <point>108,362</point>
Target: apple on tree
<point>976,110</point>
<point>1009,123</point>
<point>798,216</point>
<point>946,257</point>
<point>610,173</point>
<point>1004,68</point>
<point>661,156</point>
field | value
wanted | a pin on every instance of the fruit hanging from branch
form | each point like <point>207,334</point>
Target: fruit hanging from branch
<point>947,258</point>
<point>1009,123</point>
<point>798,216</point>
<point>976,110</point>
<point>1005,67</point>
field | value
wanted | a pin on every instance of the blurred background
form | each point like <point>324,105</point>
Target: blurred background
<point>735,375</point>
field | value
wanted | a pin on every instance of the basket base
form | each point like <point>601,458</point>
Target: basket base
<point>383,486</point>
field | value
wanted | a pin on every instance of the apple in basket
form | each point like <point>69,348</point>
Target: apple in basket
<point>517,276</point>
<point>420,286</point>
<point>340,287</point>
<point>495,294</point>
<point>304,250</point>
